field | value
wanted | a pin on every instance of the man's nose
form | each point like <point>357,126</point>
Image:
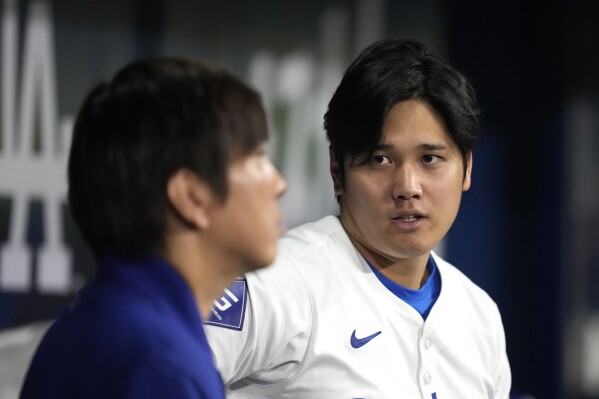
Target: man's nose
<point>406,184</point>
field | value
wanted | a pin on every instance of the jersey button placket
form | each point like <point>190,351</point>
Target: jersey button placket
<point>427,343</point>
<point>426,377</point>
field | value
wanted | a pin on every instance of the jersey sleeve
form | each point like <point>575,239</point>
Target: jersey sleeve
<point>275,327</point>
<point>503,375</point>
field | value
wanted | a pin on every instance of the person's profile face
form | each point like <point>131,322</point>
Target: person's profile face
<point>250,221</point>
<point>401,201</point>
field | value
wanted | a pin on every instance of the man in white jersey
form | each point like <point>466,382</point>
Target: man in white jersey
<point>358,305</point>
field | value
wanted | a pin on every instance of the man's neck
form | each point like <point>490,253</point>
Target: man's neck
<point>404,274</point>
<point>410,273</point>
<point>206,273</point>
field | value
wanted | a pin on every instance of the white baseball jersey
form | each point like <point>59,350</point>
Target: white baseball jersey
<point>319,324</point>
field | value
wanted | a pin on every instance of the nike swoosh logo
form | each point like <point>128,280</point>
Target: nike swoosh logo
<point>360,342</point>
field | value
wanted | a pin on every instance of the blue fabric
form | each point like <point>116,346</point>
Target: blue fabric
<point>135,332</point>
<point>422,299</point>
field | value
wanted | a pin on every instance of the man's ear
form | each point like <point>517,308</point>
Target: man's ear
<point>190,197</point>
<point>467,176</point>
<point>335,173</point>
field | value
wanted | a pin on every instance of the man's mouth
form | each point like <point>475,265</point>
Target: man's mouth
<point>408,218</point>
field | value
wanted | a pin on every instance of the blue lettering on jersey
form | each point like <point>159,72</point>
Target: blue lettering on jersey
<point>434,395</point>
<point>229,310</point>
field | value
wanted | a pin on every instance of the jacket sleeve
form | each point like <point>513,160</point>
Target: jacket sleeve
<point>165,380</point>
<point>275,330</point>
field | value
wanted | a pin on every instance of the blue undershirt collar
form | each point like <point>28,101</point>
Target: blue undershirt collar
<point>422,299</point>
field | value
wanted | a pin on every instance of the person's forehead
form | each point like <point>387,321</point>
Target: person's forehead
<point>414,123</point>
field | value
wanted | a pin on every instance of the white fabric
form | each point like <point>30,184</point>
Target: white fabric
<point>303,309</point>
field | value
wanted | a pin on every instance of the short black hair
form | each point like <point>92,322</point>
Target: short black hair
<point>134,132</point>
<point>385,73</point>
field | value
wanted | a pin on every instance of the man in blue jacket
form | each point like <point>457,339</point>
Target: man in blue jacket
<point>170,186</point>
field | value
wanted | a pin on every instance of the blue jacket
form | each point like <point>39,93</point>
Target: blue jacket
<point>134,332</point>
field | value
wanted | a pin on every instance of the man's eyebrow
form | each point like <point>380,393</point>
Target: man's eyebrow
<point>383,146</point>
<point>432,147</point>
<point>425,147</point>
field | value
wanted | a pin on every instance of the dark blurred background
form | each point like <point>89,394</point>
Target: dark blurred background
<point>527,232</point>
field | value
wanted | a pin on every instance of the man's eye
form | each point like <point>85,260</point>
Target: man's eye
<point>380,159</point>
<point>430,159</point>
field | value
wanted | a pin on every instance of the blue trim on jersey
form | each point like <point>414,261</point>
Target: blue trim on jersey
<point>422,299</point>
